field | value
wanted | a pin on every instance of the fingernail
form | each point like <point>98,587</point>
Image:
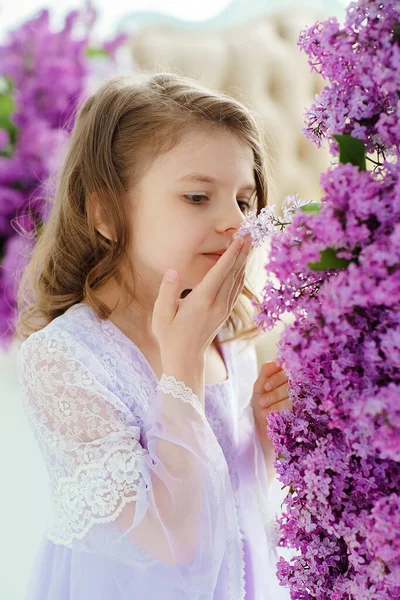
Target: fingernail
<point>268,386</point>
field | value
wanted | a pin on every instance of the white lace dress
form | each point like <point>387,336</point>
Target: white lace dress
<point>152,496</point>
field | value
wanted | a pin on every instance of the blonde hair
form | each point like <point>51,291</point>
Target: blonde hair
<point>118,131</point>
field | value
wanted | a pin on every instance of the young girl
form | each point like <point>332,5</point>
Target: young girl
<point>151,424</point>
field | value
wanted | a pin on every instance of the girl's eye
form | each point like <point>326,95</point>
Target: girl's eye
<point>246,205</point>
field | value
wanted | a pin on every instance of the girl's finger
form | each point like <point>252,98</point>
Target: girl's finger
<point>229,287</point>
<point>267,370</point>
<point>286,403</point>
<point>278,394</point>
<point>237,286</point>
<point>275,380</point>
<point>230,262</point>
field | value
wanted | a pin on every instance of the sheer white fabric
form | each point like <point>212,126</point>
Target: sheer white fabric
<point>160,515</point>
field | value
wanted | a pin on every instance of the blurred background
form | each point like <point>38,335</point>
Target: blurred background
<point>246,48</point>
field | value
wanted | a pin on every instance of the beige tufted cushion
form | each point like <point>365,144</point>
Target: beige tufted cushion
<point>259,63</point>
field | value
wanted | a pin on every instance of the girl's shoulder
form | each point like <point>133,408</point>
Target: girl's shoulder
<point>76,327</point>
<point>73,336</point>
<point>80,325</point>
<point>81,336</point>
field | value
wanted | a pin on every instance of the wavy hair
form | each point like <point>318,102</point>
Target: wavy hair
<point>70,259</point>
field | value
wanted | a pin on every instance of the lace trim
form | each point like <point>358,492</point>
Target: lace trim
<point>170,385</point>
<point>89,498</point>
<point>54,536</point>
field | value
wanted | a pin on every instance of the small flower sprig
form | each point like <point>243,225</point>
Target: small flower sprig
<point>263,226</point>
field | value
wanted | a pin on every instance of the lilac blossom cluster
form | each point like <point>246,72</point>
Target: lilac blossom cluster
<point>43,75</point>
<point>334,266</point>
<point>361,62</point>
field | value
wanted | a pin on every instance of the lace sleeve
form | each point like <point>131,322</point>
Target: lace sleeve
<point>165,512</point>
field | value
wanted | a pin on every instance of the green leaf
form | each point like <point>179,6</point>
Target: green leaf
<point>6,84</point>
<point>38,229</point>
<point>329,260</point>
<point>282,456</point>
<point>291,490</point>
<point>311,207</point>
<point>92,51</point>
<point>352,150</point>
<point>7,108</point>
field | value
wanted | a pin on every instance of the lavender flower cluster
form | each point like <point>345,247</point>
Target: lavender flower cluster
<point>334,266</point>
<point>43,75</point>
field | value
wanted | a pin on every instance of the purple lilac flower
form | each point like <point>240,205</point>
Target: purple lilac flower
<point>361,62</point>
<point>47,73</point>
<point>4,139</point>
<point>338,451</point>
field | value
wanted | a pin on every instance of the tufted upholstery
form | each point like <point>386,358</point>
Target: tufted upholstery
<point>259,63</point>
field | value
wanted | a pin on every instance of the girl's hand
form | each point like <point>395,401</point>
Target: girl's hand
<point>186,327</point>
<point>276,397</point>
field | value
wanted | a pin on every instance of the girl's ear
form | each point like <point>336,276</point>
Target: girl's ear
<point>96,218</point>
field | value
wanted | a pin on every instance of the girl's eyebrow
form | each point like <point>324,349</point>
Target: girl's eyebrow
<point>207,179</point>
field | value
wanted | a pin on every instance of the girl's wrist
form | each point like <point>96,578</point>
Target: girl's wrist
<point>190,371</point>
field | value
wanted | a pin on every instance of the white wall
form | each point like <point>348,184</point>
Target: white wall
<point>24,498</point>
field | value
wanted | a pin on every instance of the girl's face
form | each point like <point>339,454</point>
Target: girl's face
<point>177,217</point>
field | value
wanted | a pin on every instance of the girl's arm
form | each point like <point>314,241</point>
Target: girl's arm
<point>156,518</point>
